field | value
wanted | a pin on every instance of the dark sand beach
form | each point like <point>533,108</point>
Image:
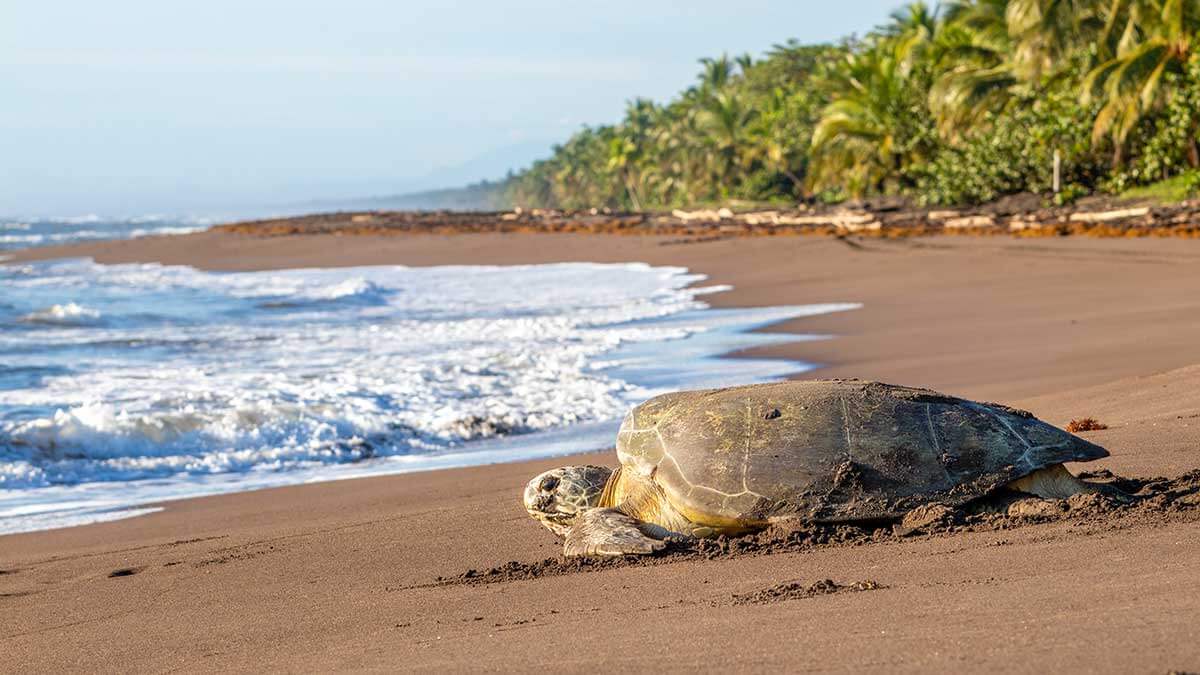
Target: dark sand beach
<point>344,575</point>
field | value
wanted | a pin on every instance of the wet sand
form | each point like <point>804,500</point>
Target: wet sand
<point>341,575</point>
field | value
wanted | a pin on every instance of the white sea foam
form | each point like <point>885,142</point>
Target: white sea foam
<point>26,232</point>
<point>69,314</point>
<point>160,231</point>
<point>85,219</point>
<point>70,515</point>
<point>138,383</point>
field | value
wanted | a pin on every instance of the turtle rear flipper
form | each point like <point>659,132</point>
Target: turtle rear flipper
<point>608,532</point>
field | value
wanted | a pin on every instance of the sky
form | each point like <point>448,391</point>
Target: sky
<point>130,107</point>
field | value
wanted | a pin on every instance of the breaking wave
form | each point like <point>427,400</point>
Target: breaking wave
<point>163,381</point>
<point>27,232</point>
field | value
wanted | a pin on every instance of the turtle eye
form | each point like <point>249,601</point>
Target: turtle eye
<point>548,483</point>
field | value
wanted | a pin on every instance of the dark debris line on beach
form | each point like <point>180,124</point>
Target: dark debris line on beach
<point>1100,219</point>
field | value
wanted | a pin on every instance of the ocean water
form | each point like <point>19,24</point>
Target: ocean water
<point>28,232</point>
<point>123,385</point>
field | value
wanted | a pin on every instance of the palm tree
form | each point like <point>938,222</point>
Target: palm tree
<point>725,121</point>
<point>1045,32</point>
<point>777,133</point>
<point>689,159</point>
<point>716,73</point>
<point>910,31</point>
<point>975,71</point>
<point>630,144</point>
<point>862,137</point>
<point>1152,38</point>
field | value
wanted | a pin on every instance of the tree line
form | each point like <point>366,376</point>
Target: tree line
<point>961,102</point>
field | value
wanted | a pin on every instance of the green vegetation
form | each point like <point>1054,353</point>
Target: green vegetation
<point>1181,187</point>
<point>961,103</point>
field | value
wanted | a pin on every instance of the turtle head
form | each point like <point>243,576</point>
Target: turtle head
<point>558,495</point>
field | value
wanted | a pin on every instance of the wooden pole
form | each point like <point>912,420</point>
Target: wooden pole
<point>1057,171</point>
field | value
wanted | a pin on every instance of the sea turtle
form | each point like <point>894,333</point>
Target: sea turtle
<point>731,461</point>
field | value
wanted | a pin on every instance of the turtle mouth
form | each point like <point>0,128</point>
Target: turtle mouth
<point>558,527</point>
<point>550,510</point>
<point>544,503</point>
<point>544,508</point>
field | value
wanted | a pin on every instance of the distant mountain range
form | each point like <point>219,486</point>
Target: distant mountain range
<point>481,196</point>
<point>490,166</point>
<point>474,185</point>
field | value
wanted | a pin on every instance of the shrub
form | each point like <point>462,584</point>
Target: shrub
<point>1013,151</point>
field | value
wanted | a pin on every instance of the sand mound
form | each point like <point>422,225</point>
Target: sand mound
<point>795,590</point>
<point>1149,501</point>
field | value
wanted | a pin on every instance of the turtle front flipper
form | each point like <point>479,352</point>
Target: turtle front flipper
<point>1057,482</point>
<point>608,532</point>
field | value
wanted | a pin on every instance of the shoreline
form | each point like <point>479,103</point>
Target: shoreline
<point>907,283</point>
<point>336,574</point>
